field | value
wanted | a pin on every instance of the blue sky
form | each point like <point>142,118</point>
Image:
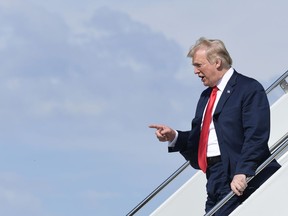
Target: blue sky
<point>82,80</point>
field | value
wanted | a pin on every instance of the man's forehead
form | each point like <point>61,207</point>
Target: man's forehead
<point>199,56</point>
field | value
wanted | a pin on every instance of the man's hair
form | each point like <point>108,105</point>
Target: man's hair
<point>215,49</point>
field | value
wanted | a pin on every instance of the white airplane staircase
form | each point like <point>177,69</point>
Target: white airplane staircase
<point>269,199</point>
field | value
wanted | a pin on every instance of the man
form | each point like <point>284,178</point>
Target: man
<point>231,143</point>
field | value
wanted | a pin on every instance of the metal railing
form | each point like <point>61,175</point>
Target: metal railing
<point>281,81</point>
<point>159,188</point>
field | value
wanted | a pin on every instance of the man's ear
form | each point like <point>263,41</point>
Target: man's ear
<point>218,63</point>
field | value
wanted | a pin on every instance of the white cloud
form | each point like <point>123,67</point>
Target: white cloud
<point>112,79</point>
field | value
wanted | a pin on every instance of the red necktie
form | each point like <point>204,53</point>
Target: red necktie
<point>202,151</point>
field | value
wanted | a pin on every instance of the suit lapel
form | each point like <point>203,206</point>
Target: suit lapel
<point>226,93</point>
<point>203,101</point>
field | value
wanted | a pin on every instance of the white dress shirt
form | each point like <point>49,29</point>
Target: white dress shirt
<point>213,146</point>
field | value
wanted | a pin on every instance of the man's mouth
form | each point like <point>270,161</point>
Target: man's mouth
<point>201,77</point>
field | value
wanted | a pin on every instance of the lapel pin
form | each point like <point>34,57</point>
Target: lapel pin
<point>228,91</point>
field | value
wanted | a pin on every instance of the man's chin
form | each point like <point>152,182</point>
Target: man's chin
<point>205,83</point>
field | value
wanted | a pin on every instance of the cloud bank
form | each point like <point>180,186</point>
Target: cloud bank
<point>65,93</point>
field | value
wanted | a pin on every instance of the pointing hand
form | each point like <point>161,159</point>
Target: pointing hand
<point>163,133</point>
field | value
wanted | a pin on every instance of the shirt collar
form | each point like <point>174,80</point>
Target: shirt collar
<point>224,80</point>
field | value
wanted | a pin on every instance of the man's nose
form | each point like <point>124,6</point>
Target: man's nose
<point>196,70</point>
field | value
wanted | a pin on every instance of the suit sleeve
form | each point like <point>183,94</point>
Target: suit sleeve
<point>181,143</point>
<point>256,126</point>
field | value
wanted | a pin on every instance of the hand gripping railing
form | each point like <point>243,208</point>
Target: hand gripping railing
<point>276,150</point>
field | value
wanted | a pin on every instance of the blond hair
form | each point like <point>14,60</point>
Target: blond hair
<point>215,49</point>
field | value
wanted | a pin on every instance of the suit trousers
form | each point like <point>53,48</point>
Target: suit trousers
<point>218,186</point>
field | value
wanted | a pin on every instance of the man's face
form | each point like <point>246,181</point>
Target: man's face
<point>208,72</point>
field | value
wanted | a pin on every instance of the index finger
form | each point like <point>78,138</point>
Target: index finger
<point>156,126</point>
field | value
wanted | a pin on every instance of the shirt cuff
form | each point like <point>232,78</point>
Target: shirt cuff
<point>172,143</point>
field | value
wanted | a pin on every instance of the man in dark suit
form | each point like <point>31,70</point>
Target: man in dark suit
<point>236,134</point>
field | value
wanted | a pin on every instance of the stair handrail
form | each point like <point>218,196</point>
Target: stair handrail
<point>278,148</point>
<point>277,82</point>
<point>159,188</point>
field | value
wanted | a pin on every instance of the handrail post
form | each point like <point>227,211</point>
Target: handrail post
<point>277,82</point>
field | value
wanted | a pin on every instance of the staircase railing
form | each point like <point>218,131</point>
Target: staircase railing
<point>159,188</point>
<point>281,81</point>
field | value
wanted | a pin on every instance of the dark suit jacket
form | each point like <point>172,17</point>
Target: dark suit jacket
<point>242,124</point>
